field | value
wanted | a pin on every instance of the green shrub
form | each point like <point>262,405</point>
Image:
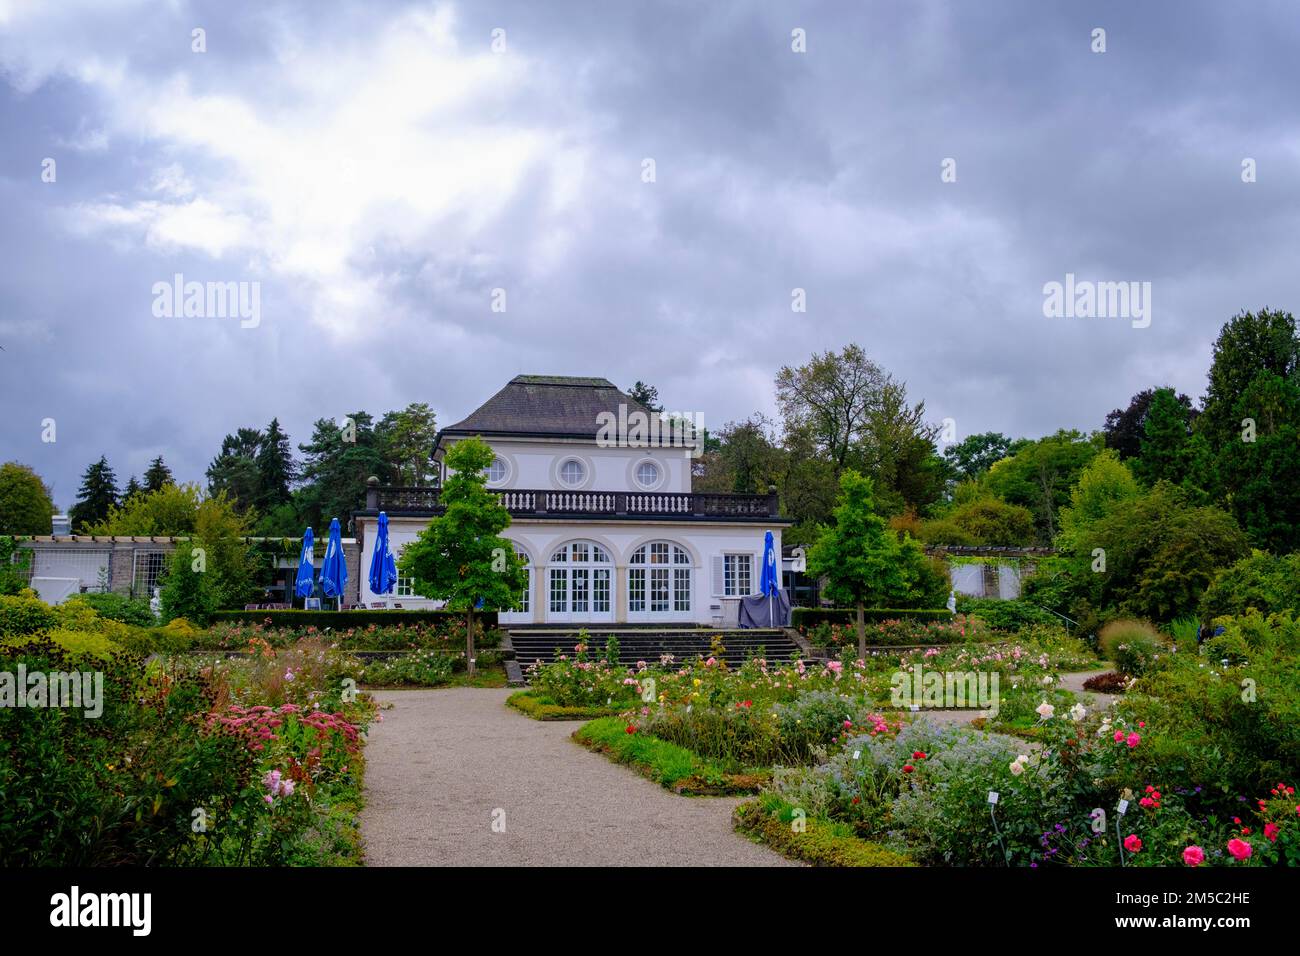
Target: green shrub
<point>540,707</point>
<point>421,669</point>
<point>343,620</point>
<point>25,613</point>
<point>1005,615</point>
<point>812,616</point>
<point>665,763</point>
<point>1133,646</point>
<point>1260,581</point>
<point>117,607</point>
<point>816,841</point>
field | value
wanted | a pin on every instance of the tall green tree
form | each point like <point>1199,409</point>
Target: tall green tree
<point>1248,344</point>
<point>406,441</point>
<point>336,463</point>
<point>859,556</point>
<point>1164,452</point>
<point>25,503</point>
<point>234,472</point>
<point>461,557</point>
<point>157,475</point>
<point>1257,470</point>
<point>97,496</point>
<point>1126,427</point>
<point>133,488</point>
<point>276,469</point>
<point>830,399</point>
<point>647,395</point>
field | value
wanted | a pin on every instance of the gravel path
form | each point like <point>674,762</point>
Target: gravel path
<point>444,761</point>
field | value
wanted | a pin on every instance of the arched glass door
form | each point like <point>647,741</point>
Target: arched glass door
<point>580,584</point>
<point>659,583</point>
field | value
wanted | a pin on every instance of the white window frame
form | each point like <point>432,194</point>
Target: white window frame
<point>582,472</point>
<point>657,470</point>
<point>505,471</point>
<point>734,583</point>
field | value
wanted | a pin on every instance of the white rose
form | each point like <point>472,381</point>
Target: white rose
<point>1078,712</point>
<point>1045,710</point>
<point>1017,768</point>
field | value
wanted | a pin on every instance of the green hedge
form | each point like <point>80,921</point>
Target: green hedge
<point>346,619</point>
<point>540,707</point>
<point>812,616</point>
<point>822,842</point>
<point>676,768</point>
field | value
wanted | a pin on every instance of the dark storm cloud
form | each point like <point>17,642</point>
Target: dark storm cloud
<point>378,221</point>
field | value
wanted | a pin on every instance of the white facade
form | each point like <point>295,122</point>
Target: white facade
<point>615,584</point>
<point>540,463</point>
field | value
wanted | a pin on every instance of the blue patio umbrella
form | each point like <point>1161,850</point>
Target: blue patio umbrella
<point>770,581</point>
<point>334,569</point>
<point>383,567</point>
<point>305,582</point>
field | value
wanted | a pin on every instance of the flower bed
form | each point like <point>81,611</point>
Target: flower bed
<point>669,765</point>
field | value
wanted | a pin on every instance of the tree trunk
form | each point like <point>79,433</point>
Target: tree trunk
<point>469,640</point>
<point>862,634</point>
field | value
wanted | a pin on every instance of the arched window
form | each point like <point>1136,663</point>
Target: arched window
<point>647,474</point>
<point>659,579</point>
<point>497,471</point>
<point>580,583</point>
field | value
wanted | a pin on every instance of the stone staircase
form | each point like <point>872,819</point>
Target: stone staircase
<point>538,642</point>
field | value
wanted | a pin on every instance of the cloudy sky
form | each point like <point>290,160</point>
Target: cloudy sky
<point>380,168</point>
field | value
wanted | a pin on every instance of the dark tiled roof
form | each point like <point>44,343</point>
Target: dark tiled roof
<point>546,405</point>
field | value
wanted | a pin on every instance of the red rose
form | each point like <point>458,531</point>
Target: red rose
<point>908,768</point>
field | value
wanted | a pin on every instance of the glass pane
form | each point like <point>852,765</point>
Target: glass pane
<point>600,591</point>
<point>579,593</point>
<point>681,589</point>
<point>659,589</point>
<point>559,590</point>
<point>636,589</point>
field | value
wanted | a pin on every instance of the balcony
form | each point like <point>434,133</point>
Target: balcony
<point>617,505</point>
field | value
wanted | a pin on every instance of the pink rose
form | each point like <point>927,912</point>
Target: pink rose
<point>1239,849</point>
<point>1193,856</point>
<point>1271,831</point>
<point>1132,843</point>
<point>1133,740</point>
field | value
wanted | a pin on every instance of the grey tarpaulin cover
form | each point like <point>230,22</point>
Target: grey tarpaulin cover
<point>753,610</point>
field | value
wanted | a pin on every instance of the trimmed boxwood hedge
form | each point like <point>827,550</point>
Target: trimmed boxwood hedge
<point>812,616</point>
<point>346,619</point>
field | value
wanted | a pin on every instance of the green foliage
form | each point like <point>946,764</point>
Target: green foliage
<point>1260,581</point>
<point>96,498</point>
<point>667,764</point>
<point>158,476</point>
<point>1125,428</point>
<point>404,439</point>
<point>974,455</point>
<point>25,502</point>
<point>117,607</point>
<point>539,706</point>
<point>336,463</point>
<point>171,510</point>
<point>988,521</point>
<point>460,557</point>
<point>1008,616</point>
<point>347,620</point>
<point>808,617</point>
<point>1103,485</point>
<point>1249,344</point>
<point>862,561</point>
<point>13,563</point>
<point>23,614</point>
<point>1160,553</point>
<point>1133,646</point>
<point>1164,450</point>
<point>1258,477</point>
<point>1040,475</point>
<point>421,669</point>
<point>816,841</point>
